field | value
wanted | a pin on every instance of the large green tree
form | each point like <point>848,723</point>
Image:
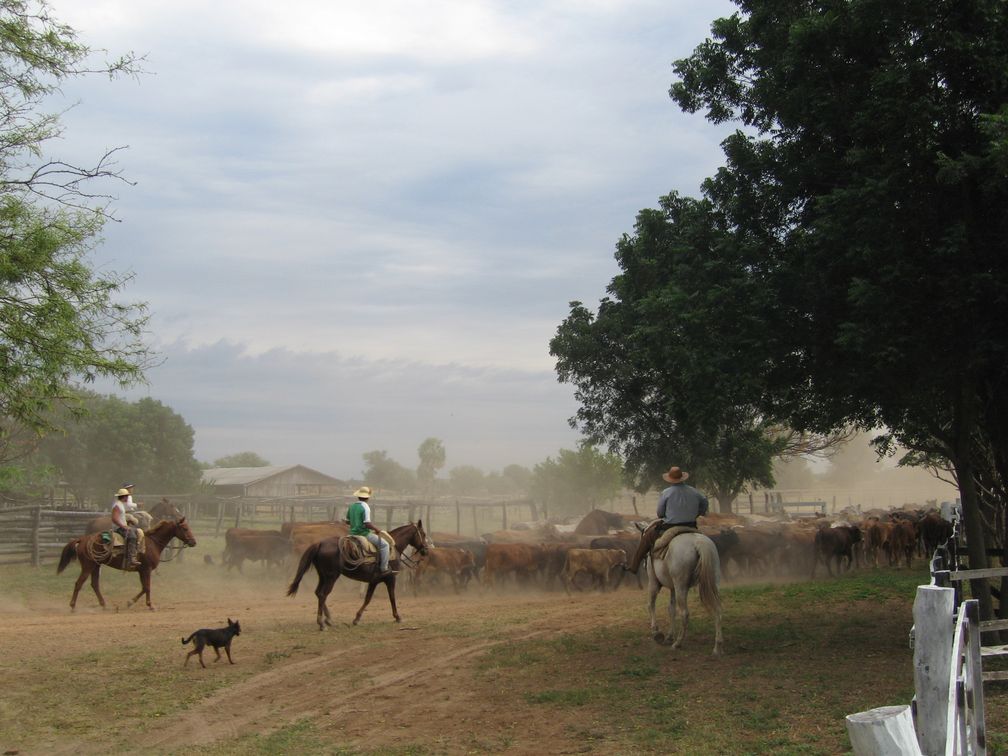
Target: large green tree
<point>62,321</point>
<point>114,440</point>
<point>867,192</point>
<point>663,371</point>
<point>383,472</point>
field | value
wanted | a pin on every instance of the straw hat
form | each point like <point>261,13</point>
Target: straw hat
<point>122,492</point>
<point>364,492</point>
<point>675,475</point>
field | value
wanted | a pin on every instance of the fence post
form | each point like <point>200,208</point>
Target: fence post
<point>504,522</point>
<point>36,549</point>
<point>221,506</point>
<point>933,637</point>
<point>476,530</point>
<point>458,518</point>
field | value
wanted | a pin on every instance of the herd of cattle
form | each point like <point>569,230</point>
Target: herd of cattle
<point>595,551</point>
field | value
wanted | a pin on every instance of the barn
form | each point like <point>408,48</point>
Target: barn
<point>274,481</point>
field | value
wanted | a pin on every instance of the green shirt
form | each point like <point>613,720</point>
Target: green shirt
<point>359,513</point>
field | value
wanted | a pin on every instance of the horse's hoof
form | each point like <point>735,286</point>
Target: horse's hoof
<point>659,637</point>
<point>398,619</point>
<point>356,621</point>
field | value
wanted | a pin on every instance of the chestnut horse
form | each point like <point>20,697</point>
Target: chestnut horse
<point>93,553</point>
<point>327,558</point>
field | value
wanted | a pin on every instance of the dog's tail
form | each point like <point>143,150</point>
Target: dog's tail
<point>307,559</point>
<point>186,640</point>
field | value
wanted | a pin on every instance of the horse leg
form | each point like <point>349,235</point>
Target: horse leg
<point>390,587</point>
<point>367,600</point>
<point>654,587</point>
<point>95,574</point>
<point>679,603</point>
<point>145,577</point>
<point>84,572</point>
<point>322,591</point>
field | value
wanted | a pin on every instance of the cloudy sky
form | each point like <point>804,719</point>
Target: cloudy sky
<point>358,225</point>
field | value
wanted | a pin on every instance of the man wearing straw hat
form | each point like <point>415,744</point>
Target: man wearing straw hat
<point>359,517</point>
<point>678,505</point>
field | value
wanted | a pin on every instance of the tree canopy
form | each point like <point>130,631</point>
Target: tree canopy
<point>62,322</point>
<point>577,481</point>
<point>114,441</point>
<point>242,459</point>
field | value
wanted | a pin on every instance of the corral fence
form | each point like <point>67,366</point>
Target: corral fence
<point>35,533</point>
<point>946,716</point>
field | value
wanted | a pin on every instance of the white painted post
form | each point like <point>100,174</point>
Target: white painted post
<point>933,637</point>
<point>886,731</point>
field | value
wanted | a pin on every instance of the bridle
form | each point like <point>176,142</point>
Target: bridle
<point>409,560</point>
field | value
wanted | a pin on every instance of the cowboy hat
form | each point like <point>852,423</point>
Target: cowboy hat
<point>675,475</point>
<point>122,492</point>
<point>364,492</point>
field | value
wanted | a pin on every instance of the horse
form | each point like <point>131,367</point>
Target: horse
<point>598,522</point>
<point>691,559</point>
<point>327,558</point>
<point>93,553</point>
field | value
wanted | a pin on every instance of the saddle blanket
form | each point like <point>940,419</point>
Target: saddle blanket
<point>662,544</point>
<point>370,551</point>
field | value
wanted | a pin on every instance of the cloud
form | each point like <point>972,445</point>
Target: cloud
<point>358,225</point>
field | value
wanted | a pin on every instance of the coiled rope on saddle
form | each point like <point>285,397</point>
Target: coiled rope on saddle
<point>351,552</point>
<point>98,551</point>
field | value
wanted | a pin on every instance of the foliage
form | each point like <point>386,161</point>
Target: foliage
<point>242,459</point>
<point>432,459</point>
<point>114,441</point>
<point>61,321</point>
<point>577,481</point>
<point>466,480</point>
<point>382,472</point>
<point>513,480</point>
<point>659,371</point>
<point>872,214</point>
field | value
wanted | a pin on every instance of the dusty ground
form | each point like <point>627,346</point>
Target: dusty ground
<point>512,672</point>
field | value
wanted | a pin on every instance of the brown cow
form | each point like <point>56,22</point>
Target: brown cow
<point>458,564</point>
<point>268,546</point>
<point>523,560</point>
<point>876,535</point>
<point>902,542</point>
<point>304,534</point>
<point>625,542</point>
<point>835,543</point>
<point>599,564</point>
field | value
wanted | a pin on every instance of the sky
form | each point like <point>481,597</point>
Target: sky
<point>358,225</point>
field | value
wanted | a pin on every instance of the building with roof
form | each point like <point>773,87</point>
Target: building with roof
<point>272,482</point>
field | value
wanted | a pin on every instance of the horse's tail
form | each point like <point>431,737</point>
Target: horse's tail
<point>68,555</point>
<point>708,572</point>
<point>306,560</point>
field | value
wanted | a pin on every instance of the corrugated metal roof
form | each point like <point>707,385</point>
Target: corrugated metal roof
<point>244,476</point>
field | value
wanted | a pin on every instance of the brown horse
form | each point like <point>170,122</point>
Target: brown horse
<point>327,558</point>
<point>92,554</point>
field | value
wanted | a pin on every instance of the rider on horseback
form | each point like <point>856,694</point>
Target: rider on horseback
<point>359,517</point>
<point>678,505</point>
<point>127,531</point>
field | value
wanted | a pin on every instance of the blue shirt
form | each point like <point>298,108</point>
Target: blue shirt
<point>681,503</point>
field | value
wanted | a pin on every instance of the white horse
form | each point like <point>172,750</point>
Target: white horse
<point>691,559</point>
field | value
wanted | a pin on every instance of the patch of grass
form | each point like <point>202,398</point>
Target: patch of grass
<point>577,697</point>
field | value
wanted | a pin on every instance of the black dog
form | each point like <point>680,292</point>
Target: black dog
<point>218,638</point>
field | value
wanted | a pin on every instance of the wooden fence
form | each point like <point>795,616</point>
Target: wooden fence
<point>34,534</point>
<point>946,716</point>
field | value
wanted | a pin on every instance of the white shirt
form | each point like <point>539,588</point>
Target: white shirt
<point>130,506</point>
<point>119,505</point>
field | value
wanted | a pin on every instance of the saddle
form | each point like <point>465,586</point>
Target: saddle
<point>662,544</point>
<point>369,552</point>
<point>117,543</point>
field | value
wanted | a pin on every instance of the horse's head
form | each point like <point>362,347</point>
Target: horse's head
<point>183,532</point>
<point>420,541</point>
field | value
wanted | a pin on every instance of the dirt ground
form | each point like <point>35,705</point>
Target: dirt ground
<point>375,686</point>
<point>516,672</point>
